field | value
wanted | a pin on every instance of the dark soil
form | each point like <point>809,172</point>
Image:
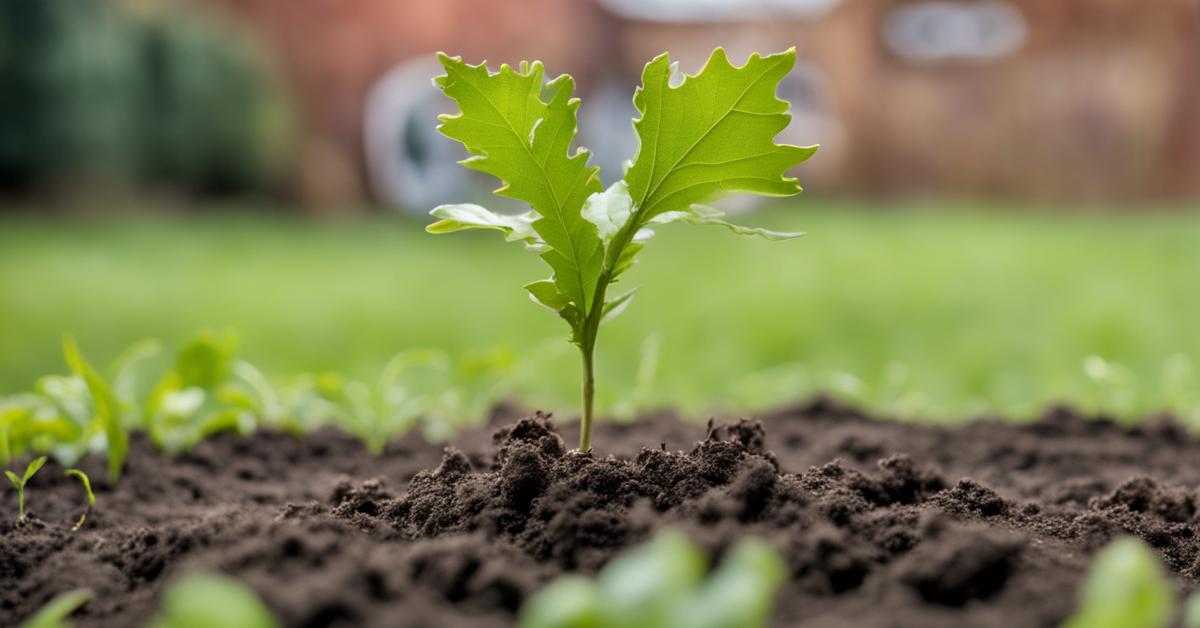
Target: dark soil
<point>881,523</point>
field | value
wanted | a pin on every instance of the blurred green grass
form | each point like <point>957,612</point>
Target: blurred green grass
<point>937,313</point>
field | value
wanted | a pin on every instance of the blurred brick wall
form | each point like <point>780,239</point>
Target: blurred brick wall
<point>1101,103</point>
<point>332,51</point>
<point>1088,109</point>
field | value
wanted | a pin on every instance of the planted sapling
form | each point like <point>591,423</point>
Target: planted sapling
<point>91,499</point>
<point>19,482</point>
<point>709,136</point>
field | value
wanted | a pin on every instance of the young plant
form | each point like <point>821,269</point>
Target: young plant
<point>663,584</point>
<point>709,136</point>
<point>55,613</point>
<point>91,499</point>
<point>106,409</point>
<point>19,482</point>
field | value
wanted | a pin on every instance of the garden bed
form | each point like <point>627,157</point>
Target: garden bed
<point>880,523</point>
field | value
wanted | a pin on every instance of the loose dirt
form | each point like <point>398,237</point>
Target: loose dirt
<point>882,524</point>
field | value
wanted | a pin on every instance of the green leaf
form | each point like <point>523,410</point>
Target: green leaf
<point>104,405</point>
<point>1191,611</point>
<point>520,130</point>
<point>87,484</point>
<point>32,468</point>
<point>545,293</point>
<point>15,479</point>
<point>206,360</point>
<point>569,602</point>
<point>712,135</point>
<point>54,614</point>
<point>1125,588</point>
<point>463,216</point>
<point>646,587</point>
<point>204,600</point>
<point>704,215</point>
<point>614,306</point>
<point>741,593</point>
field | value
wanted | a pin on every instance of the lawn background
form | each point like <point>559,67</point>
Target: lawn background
<point>936,313</point>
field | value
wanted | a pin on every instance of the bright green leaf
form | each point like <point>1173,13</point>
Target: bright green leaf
<point>741,593</point>
<point>104,405</point>
<point>206,360</point>
<point>54,614</point>
<point>1125,588</point>
<point>644,587</point>
<point>87,484</point>
<point>205,600</point>
<point>544,292</point>
<point>712,135</point>
<point>15,479</point>
<point>569,602</point>
<point>520,130</point>
<point>32,468</point>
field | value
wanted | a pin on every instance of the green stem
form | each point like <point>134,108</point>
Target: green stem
<point>591,328</point>
<point>21,504</point>
<point>589,394</point>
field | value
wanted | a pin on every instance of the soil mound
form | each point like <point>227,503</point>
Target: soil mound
<point>880,523</point>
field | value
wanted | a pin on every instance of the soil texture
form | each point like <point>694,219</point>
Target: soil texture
<point>882,524</point>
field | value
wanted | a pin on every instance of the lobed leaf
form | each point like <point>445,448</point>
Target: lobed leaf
<point>711,135</point>
<point>520,130</point>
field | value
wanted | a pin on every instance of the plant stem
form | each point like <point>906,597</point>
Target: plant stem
<point>591,327</point>
<point>589,394</point>
<point>21,504</point>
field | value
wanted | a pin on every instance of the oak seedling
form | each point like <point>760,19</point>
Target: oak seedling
<point>710,135</point>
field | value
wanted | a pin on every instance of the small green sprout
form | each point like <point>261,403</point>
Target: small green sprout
<point>1127,587</point>
<point>204,600</point>
<point>20,482</point>
<point>663,585</point>
<point>54,614</point>
<point>105,407</point>
<point>91,499</point>
<point>710,135</point>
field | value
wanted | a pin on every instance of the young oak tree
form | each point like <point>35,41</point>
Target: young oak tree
<point>709,136</point>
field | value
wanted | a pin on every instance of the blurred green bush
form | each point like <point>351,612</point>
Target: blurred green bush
<point>112,94</point>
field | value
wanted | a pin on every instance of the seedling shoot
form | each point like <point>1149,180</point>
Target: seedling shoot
<point>87,489</point>
<point>19,482</point>
<point>709,136</point>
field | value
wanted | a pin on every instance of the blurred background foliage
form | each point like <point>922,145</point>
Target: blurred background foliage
<point>1002,215</point>
<point>933,312</point>
<point>97,95</point>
